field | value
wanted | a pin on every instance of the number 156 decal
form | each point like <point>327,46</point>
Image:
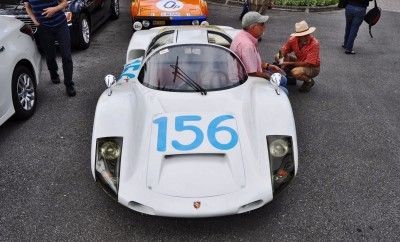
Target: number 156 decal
<point>195,125</point>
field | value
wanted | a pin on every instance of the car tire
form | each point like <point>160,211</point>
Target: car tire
<point>23,88</point>
<point>82,36</point>
<point>114,9</point>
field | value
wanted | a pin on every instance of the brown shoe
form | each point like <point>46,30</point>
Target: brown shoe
<point>306,87</point>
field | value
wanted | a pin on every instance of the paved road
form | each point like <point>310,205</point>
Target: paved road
<point>389,5</point>
<point>348,130</point>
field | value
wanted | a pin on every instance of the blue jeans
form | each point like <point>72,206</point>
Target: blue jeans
<point>47,36</point>
<point>246,8</point>
<point>354,18</point>
<point>283,82</point>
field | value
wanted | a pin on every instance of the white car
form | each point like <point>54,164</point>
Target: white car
<point>185,132</point>
<point>20,68</point>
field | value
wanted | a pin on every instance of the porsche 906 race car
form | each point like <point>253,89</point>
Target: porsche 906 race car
<point>185,132</point>
<point>152,13</point>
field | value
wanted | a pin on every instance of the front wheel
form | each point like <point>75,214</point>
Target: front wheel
<point>82,36</point>
<point>114,9</point>
<point>23,92</point>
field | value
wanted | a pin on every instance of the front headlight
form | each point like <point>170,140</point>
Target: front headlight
<point>108,162</point>
<point>281,161</point>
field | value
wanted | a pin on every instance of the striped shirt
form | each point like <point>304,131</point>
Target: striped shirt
<point>309,53</point>
<point>38,7</point>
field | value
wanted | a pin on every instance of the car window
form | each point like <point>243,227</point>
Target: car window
<point>219,39</point>
<point>164,38</point>
<point>185,68</point>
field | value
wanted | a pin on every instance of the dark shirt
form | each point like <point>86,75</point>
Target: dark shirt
<point>360,3</point>
<point>38,7</point>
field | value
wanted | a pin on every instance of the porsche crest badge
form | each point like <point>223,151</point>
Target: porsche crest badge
<point>197,204</point>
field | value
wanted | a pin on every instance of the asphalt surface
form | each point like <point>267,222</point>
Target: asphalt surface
<point>347,187</point>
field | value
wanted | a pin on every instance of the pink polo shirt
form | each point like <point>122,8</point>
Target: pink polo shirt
<point>245,46</point>
<point>309,53</point>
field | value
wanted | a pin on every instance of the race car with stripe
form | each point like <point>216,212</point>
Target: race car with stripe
<point>185,132</point>
<point>153,13</point>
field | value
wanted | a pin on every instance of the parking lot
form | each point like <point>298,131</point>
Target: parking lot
<point>348,128</point>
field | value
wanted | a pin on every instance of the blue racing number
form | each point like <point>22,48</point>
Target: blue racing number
<point>180,125</point>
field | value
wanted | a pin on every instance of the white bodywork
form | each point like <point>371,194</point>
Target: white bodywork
<point>16,48</point>
<point>209,179</point>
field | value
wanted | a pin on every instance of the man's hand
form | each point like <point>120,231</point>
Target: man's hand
<point>274,68</point>
<point>48,12</point>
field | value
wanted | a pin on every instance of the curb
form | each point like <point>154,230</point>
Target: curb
<point>306,9</point>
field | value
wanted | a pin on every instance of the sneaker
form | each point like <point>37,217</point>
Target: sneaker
<point>71,91</point>
<point>306,87</point>
<point>55,80</point>
<point>350,52</point>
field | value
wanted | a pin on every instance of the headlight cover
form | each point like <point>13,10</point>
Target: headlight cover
<point>108,162</point>
<point>281,160</point>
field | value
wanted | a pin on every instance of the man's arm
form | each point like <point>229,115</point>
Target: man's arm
<point>30,13</point>
<point>260,74</point>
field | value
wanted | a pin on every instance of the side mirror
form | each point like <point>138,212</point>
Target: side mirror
<point>110,81</point>
<point>276,81</point>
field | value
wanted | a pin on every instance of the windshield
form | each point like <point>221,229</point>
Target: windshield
<point>192,68</point>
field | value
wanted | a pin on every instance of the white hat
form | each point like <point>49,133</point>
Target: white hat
<point>303,29</point>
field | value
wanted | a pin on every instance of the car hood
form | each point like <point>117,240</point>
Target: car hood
<point>11,9</point>
<point>204,168</point>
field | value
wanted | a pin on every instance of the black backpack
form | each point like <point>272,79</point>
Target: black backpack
<point>372,17</point>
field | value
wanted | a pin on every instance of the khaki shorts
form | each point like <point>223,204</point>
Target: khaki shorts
<point>311,72</point>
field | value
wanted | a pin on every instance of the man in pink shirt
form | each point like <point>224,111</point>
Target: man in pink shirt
<point>245,45</point>
<point>305,65</point>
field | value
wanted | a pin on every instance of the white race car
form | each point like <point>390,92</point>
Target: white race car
<point>185,132</point>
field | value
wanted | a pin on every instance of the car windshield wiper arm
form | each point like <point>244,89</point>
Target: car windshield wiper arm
<point>178,72</point>
<point>19,3</point>
<point>175,69</point>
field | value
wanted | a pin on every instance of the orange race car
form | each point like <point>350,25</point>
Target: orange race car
<point>153,13</point>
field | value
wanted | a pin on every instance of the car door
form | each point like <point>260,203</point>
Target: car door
<point>4,90</point>
<point>98,9</point>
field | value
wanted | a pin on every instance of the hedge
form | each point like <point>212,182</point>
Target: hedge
<point>306,2</point>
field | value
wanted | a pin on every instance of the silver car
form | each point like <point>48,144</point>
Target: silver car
<point>20,67</point>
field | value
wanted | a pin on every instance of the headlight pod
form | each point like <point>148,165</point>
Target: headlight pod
<point>146,23</point>
<point>107,166</point>
<point>280,149</point>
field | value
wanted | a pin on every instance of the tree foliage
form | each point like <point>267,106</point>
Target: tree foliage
<point>306,2</point>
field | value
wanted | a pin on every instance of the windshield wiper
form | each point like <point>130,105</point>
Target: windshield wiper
<point>178,72</point>
<point>19,3</point>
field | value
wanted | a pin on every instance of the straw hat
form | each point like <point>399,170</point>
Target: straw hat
<point>303,29</point>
